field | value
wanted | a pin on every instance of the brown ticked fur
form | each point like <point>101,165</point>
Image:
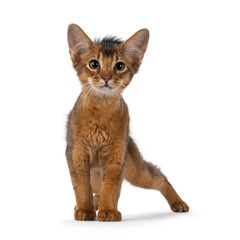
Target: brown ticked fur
<point>100,153</point>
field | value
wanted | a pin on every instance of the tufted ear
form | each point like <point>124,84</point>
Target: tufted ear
<point>136,45</point>
<point>78,41</point>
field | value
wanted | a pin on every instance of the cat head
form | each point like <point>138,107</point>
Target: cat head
<point>106,66</point>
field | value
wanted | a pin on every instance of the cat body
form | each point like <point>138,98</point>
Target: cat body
<point>100,153</point>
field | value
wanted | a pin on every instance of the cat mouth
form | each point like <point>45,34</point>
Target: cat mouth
<point>106,86</point>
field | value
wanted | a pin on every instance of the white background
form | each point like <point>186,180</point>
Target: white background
<point>184,108</point>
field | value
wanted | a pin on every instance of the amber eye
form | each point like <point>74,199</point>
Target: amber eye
<point>120,66</point>
<point>94,64</point>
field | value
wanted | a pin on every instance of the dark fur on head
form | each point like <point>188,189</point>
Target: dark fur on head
<point>108,42</point>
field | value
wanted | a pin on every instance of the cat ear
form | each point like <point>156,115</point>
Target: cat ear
<point>78,41</point>
<point>136,45</point>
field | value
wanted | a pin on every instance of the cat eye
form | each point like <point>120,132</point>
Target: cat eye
<point>119,66</point>
<point>94,64</point>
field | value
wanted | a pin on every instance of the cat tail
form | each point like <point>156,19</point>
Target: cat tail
<point>139,172</point>
<point>146,175</point>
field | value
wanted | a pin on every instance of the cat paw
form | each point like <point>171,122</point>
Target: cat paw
<point>84,215</point>
<point>179,207</point>
<point>109,215</point>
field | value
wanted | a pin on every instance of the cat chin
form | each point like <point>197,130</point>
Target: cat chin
<point>106,91</point>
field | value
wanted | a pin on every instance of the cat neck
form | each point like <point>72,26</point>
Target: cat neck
<point>100,105</point>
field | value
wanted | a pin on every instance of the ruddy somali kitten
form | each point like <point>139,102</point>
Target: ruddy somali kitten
<point>100,153</point>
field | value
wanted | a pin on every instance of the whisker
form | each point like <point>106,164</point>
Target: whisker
<point>86,89</point>
<point>123,85</point>
<point>86,96</point>
<point>90,93</point>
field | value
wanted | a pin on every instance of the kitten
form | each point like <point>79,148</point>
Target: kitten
<point>100,153</point>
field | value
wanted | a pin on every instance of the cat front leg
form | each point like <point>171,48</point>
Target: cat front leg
<point>84,209</point>
<point>113,174</point>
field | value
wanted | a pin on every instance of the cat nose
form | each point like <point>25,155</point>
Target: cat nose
<point>106,78</point>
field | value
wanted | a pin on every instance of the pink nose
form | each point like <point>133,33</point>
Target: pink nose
<point>106,78</point>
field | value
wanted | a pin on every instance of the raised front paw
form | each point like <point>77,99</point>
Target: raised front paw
<point>84,215</point>
<point>109,215</point>
<point>179,206</point>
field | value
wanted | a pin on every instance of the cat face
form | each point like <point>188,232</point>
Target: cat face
<point>106,67</point>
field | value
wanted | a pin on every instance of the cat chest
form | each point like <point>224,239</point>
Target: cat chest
<point>98,135</point>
